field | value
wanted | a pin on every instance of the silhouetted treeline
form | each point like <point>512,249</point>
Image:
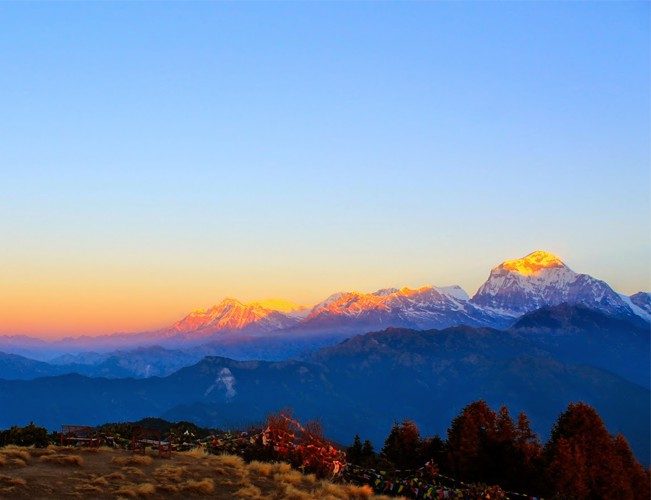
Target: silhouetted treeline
<point>121,433</point>
<point>581,460</point>
<point>168,430</point>
<point>29,435</point>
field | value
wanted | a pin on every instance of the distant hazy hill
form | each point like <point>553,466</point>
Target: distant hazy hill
<point>149,361</point>
<point>13,366</point>
<point>577,334</point>
<point>365,383</point>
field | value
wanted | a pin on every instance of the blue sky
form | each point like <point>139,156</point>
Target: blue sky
<point>156,157</point>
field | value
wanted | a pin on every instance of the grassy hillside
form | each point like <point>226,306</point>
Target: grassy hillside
<point>56,472</point>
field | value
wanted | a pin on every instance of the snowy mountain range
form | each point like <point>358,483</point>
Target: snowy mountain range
<point>512,289</point>
<point>233,315</point>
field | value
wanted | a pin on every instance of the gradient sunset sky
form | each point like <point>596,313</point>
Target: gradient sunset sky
<point>156,157</point>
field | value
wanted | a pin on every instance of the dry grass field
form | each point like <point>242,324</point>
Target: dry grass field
<point>57,472</point>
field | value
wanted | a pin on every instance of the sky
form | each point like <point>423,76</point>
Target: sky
<point>157,157</point>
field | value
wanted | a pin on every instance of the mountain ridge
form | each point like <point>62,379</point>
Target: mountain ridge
<point>370,380</point>
<point>513,288</point>
<point>541,279</point>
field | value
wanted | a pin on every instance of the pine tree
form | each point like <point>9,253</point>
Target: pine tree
<point>354,452</point>
<point>568,471</point>
<point>468,435</point>
<point>368,452</point>
<point>526,439</point>
<point>528,453</point>
<point>638,478</point>
<point>434,449</point>
<point>503,467</point>
<point>504,426</point>
<point>403,445</point>
<point>582,458</point>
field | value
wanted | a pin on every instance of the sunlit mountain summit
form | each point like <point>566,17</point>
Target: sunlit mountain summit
<point>513,288</point>
<point>534,263</point>
<point>542,279</point>
<point>232,315</point>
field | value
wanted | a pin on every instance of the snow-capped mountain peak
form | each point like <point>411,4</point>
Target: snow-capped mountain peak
<point>423,307</point>
<point>232,315</point>
<point>454,291</point>
<point>542,279</point>
<point>640,302</point>
<point>534,263</point>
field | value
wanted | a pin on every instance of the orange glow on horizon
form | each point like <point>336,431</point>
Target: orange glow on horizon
<point>50,298</point>
<point>86,312</point>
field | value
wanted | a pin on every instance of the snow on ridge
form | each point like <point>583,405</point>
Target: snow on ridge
<point>454,291</point>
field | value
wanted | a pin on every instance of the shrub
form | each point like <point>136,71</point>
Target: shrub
<point>63,460</point>
<point>30,435</point>
<point>12,481</point>
<point>249,491</point>
<point>262,468</point>
<point>133,460</point>
<point>133,471</point>
<point>205,486</point>
<point>15,452</point>
<point>170,473</point>
<point>137,490</point>
<point>88,489</point>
